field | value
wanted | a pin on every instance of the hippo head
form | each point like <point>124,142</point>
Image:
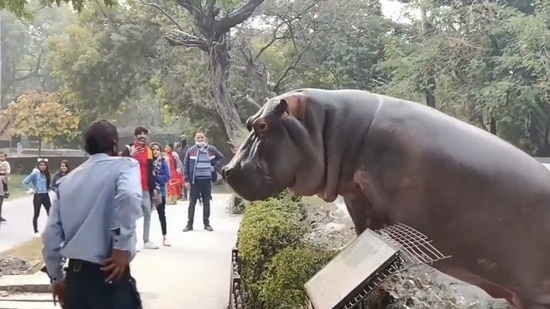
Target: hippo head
<point>281,151</point>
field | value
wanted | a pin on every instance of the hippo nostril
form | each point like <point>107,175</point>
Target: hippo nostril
<point>226,171</point>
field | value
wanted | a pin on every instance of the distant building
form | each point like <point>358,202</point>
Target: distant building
<point>5,135</point>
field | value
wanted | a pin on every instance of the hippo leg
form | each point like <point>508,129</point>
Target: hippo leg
<point>361,212</point>
<point>491,288</point>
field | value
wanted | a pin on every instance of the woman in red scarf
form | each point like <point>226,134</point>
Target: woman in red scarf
<point>175,184</point>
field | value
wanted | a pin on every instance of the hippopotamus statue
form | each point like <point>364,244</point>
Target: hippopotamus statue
<point>480,199</point>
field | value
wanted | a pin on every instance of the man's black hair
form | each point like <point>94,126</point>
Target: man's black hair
<point>140,130</point>
<point>100,137</point>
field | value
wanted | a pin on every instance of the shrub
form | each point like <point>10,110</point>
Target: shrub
<point>290,269</point>
<point>267,228</point>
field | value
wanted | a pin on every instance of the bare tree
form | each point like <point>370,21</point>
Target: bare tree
<point>211,35</point>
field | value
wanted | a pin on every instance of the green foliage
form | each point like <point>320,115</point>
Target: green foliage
<point>19,7</point>
<point>275,260</point>
<point>266,228</point>
<point>290,269</point>
<point>103,58</point>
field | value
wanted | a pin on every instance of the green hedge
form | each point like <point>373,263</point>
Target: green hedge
<point>283,285</point>
<point>272,234</point>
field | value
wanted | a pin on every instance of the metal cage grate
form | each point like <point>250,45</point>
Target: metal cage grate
<point>414,247</point>
<point>373,284</point>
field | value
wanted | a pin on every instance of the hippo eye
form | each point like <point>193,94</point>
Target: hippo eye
<point>262,126</point>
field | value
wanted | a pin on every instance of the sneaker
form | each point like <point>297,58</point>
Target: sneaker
<point>37,234</point>
<point>6,194</point>
<point>188,228</point>
<point>166,243</point>
<point>150,245</point>
<point>2,219</point>
<point>208,228</point>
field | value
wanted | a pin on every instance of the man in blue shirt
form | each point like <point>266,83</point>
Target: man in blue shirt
<point>92,223</point>
<point>199,164</point>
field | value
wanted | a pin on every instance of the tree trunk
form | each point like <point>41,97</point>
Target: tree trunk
<point>430,85</point>
<point>493,126</point>
<point>215,30</point>
<point>219,79</point>
<point>39,146</point>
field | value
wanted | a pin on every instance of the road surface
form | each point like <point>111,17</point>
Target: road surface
<point>18,228</point>
<point>193,273</point>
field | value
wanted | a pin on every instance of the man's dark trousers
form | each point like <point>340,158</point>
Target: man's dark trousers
<point>201,187</point>
<point>87,289</point>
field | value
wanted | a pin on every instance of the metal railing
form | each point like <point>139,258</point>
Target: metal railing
<point>236,288</point>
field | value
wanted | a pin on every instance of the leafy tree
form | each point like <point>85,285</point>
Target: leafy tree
<point>41,116</point>
<point>20,7</point>
<point>103,58</point>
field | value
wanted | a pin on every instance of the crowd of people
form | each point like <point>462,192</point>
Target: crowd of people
<point>96,232</point>
<point>162,174</point>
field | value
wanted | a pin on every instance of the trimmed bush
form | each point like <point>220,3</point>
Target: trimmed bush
<point>266,228</point>
<point>290,269</point>
<point>275,259</point>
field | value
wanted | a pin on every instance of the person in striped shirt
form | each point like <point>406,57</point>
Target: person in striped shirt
<point>199,164</point>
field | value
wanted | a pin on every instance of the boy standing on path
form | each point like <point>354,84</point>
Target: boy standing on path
<point>143,154</point>
<point>199,164</point>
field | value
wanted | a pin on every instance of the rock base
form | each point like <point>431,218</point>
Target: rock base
<point>14,266</point>
<point>422,287</point>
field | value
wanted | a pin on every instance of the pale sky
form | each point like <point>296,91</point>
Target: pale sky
<point>394,10</point>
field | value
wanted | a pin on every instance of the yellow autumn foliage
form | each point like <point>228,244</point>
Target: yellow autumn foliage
<point>40,115</point>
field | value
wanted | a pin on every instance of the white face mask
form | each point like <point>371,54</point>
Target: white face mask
<point>201,144</point>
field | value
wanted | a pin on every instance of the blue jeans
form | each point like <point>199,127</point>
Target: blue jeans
<point>147,210</point>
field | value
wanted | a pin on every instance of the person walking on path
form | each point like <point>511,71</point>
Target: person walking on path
<point>38,183</point>
<point>5,171</point>
<point>162,175</point>
<point>181,149</point>
<point>143,154</point>
<point>64,169</point>
<point>93,223</point>
<point>175,185</point>
<point>200,163</point>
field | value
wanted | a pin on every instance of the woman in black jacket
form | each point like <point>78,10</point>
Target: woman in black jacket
<point>64,169</point>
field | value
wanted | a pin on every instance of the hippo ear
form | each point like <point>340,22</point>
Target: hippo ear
<point>282,107</point>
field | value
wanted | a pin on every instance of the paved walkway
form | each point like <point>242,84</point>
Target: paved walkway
<point>18,228</point>
<point>193,273</point>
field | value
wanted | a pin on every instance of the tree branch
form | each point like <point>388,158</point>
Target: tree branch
<point>192,6</point>
<point>237,17</point>
<point>181,38</point>
<point>291,67</point>
<point>35,70</point>
<point>163,11</point>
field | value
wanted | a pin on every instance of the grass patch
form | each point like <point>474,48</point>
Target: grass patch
<point>30,251</point>
<point>15,187</point>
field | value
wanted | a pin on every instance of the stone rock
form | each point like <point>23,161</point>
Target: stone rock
<point>14,266</point>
